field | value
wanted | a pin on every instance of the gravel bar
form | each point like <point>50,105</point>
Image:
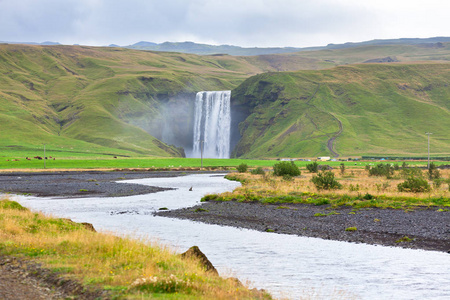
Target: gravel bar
<point>424,228</point>
<point>81,183</point>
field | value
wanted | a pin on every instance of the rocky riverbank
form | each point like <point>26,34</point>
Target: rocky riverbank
<point>427,229</point>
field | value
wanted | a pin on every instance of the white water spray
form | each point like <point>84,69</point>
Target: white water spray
<point>212,124</point>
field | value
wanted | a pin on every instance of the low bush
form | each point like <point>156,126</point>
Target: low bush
<point>437,182</point>
<point>382,170</point>
<point>258,171</point>
<point>325,181</point>
<point>286,168</point>
<point>407,172</point>
<point>342,167</point>
<point>312,167</point>
<point>414,185</point>
<point>242,168</point>
<point>433,172</point>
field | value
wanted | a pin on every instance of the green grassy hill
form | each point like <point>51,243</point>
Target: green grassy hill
<point>95,101</point>
<point>92,101</point>
<point>367,109</point>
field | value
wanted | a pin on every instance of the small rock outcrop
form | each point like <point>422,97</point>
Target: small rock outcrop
<point>195,253</point>
<point>88,226</point>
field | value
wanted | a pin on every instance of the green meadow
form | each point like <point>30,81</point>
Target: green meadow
<point>107,162</point>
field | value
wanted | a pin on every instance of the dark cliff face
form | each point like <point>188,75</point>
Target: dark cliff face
<point>253,92</point>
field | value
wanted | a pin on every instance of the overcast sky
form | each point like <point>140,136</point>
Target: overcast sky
<point>247,23</point>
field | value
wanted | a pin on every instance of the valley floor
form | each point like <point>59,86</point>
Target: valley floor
<point>424,228</point>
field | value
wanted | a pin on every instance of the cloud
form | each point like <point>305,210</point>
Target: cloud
<point>237,22</point>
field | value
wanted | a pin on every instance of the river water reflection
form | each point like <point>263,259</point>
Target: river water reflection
<point>285,265</point>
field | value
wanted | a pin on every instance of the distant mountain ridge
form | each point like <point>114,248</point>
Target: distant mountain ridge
<point>46,43</point>
<point>205,49</point>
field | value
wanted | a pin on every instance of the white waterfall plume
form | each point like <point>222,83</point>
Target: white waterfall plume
<point>212,124</point>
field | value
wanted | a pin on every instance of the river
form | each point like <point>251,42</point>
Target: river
<point>287,266</point>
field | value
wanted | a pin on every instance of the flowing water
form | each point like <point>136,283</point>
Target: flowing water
<point>212,125</point>
<point>285,265</point>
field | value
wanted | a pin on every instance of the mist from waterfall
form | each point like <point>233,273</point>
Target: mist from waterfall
<point>212,124</point>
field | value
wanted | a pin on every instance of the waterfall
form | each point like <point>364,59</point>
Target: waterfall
<point>212,124</point>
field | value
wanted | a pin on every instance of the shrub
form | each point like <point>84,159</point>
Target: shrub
<point>242,168</point>
<point>407,172</point>
<point>258,171</point>
<point>414,184</point>
<point>433,172</point>
<point>382,170</point>
<point>437,182</point>
<point>342,167</point>
<point>325,181</point>
<point>313,167</point>
<point>368,196</point>
<point>286,168</point>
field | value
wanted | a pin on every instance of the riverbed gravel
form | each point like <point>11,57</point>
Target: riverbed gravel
<point>80,184</point>
<point>423,228</point>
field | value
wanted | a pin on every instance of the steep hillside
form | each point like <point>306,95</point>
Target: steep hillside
<point>106,100</point>
<point>369,109</point>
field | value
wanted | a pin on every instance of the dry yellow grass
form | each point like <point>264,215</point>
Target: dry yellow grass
<point>129,268</point>
<point>356,183</point>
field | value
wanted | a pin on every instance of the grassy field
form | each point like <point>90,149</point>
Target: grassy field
<point>129,269</point>
<point>10,161</point>
<point>358,190</point>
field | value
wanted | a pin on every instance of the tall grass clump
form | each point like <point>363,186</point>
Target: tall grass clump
<point>286,168</point>
<point>325,181</point>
